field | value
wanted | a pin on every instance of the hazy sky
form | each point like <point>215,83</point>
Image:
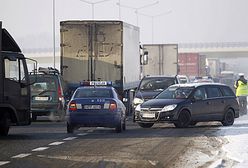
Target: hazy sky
<point>30,21</point>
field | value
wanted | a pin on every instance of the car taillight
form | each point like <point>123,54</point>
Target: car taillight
<point>112,106</point>
<point>60,93</point>
<point>72,106</point>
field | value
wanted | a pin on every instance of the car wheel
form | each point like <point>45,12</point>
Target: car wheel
<point>146,125</point>
<point>228,118</point>
<point>34,117</point>
<point>4,125</point>
<point>70,128</point>
<point>183,119</point>
<point>124,125</point>
<point>119,127</point>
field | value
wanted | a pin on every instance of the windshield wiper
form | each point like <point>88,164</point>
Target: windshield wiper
<point>44,91</point>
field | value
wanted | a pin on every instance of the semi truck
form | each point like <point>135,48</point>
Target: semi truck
<point>192,64</point>
<point>162,59</point>
<point>102,51</point>
<point>14,84</point>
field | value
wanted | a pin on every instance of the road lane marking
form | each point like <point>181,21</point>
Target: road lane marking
<point>4,162</point>
<point>39,149</point>
<point>82,134</point>
<point>56,143</point>
<point>22,155</point>
<point>69,138</point>
<point>97,159</point>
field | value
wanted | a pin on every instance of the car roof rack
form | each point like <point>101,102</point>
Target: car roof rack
<point>48,70</point>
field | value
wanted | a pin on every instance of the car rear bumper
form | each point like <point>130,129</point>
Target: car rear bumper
<point>93,120</point>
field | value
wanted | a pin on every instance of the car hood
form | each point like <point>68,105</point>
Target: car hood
<point>147,95</point>
<point>160,103</point>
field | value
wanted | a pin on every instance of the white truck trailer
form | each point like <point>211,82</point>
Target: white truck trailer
<point>101,50</point>
<point>162,60</point>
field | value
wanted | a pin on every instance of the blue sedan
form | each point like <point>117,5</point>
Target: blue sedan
<point>96,106</point>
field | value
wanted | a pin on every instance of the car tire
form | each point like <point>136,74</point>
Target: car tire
<point>119,127</point>
<point>124,125</point>
<point>70,128</point>
<point>34,117</point>
<point>228,118</point>
<point>183,120</point>
<point>146,125</point>
<point>4,126</point>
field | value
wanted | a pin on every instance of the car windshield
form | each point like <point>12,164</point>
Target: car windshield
<point>43,85</point>
<point>93,92</point>
<point>175,92</point>
<point>156,84</point>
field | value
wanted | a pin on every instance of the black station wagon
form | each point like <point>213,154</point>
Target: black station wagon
<point>187,104</point>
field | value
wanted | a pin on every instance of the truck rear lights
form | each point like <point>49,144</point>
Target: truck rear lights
<point>72,106</point>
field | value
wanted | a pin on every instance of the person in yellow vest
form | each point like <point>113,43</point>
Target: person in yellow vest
<point>241,87</point>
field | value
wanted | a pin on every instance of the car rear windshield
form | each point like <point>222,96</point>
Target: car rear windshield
<point>93,92</point>
<point>156,84</point>
<point>175,93</point>
<point>43,85</point>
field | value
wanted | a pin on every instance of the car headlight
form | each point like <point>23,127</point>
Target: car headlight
<point>169,107</point>
<point>138,108</point>
<point>137,101</point>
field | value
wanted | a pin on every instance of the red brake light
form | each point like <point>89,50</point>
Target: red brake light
<point>112,106</point>
<point>59,92</point>
<point>72,106</point>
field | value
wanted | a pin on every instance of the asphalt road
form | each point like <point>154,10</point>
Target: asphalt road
<point>46,144</point>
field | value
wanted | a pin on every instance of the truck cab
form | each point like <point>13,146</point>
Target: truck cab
<point>14,84</point>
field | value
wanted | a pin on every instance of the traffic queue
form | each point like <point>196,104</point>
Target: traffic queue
<point>157,99</point>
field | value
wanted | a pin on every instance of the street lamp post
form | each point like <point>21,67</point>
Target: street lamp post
<point>92,5</point>
<point>137,9</point>
<point>54,34</point>
<point>152,17</point>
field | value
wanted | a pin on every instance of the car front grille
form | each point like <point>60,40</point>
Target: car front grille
<point>150,114</point>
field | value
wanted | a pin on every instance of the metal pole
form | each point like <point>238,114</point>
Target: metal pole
<point>53,33</point>
<point>92,6</point>
<point>152,29</point>
<point>119,10</point>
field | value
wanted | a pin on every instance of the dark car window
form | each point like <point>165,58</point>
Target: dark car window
<point>227,91</point>
<point>44,84</point>
<point>156,84</point>
<point>93,92</point>
<point>175,92</point>
<point>200,94</point>
<point>213,92</point>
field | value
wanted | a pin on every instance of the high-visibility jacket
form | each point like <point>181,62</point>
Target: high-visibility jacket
<point>241,88</point>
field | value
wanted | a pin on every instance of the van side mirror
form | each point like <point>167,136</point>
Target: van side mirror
<point>145,58</point>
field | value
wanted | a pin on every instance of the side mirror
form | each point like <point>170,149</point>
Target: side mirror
<point>145,58</point>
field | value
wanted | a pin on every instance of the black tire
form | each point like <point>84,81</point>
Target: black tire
<point>70,128</point>
<point>119,127</point>
<point>124,125</point>
<point>34,117</point>
<point>228,118</point>
<point>146,125</point>
<point>4,125</point>
<point>183,120</point>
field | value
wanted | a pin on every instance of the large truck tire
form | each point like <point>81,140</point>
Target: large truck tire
<point>4,125</point>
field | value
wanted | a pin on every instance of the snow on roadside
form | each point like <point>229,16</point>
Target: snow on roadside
<point>237,147</point>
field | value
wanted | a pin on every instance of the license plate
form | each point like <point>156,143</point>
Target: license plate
<point>148,115</point>
<point>41,98</point>
<point>92,106</point>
